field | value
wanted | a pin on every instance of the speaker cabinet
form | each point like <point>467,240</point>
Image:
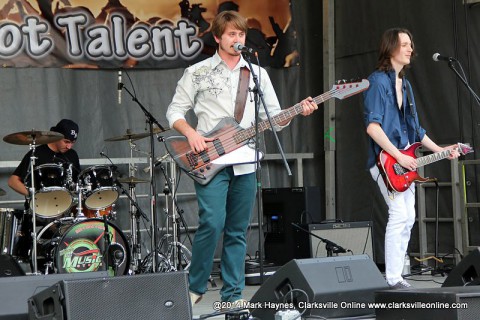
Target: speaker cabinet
<point>281,208</point>
<point>429,303</point>
<point>466,273</point>
<point>353,236</point>
<point>334,287</point>
<point>145,296</point>
<point>15,291</point>
<point>9,267</point>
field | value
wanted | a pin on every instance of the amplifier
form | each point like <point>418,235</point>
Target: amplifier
<point>354,236</point>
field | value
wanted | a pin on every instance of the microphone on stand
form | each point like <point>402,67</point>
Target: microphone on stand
<point>242,48</point>
<point>119,87</point>
<point>438,57</point>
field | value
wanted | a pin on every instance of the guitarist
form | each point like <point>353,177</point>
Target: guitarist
<point>225,204</point>
<point>392,123</point>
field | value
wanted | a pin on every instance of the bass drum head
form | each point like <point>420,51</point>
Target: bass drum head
<point>82,246</point>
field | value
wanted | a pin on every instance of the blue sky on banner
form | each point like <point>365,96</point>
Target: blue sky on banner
<point>135,33</point>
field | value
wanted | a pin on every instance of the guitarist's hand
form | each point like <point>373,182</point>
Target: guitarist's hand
<point>453,151</point>
<point>197,142</point>
<point>407,162</point>
<point>308,105</point>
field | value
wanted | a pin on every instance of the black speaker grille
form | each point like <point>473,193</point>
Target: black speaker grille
<point>472,311</point>
<point>150,296</point>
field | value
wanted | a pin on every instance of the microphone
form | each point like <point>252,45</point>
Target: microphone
<point>437,57</point>
<point>114,167</point>
<point>119,87</point>
<point>241,48</point>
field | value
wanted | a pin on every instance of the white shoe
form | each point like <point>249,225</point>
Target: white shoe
<point>195,298</point>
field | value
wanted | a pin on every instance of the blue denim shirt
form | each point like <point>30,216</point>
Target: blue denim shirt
<point>380,105</point>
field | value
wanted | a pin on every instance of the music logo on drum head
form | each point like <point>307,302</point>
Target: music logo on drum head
<point>82,255</point>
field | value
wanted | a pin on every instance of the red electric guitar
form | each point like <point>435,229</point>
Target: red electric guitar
<point>399,179</point>
<point>230,144</point>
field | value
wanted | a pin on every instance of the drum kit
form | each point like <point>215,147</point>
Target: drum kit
<point>79,233</point>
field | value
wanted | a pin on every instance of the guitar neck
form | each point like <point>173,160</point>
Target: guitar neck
<point>434,157</point>
<point>285,115</point>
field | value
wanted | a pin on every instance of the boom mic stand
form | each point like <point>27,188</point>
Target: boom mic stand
<point>153,192</point>
<point>330,246</point>
<point>258,97</point>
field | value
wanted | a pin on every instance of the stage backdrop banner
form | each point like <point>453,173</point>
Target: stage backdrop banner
<point>135,33</point>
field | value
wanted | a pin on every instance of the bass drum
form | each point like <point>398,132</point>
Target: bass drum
<point>71,247</point>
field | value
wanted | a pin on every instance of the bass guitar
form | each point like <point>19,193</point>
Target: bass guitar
<point>398,178</point>
<point>230,147</point>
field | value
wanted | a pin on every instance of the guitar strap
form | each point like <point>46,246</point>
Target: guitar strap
<point>242,92</point>
<point>413,111</point>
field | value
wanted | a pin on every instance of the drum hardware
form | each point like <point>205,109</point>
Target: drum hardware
<point>135,214</point>
<point>176,256</point>
<point>32,139</point>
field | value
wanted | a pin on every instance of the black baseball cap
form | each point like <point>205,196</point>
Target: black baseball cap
<point>68,128</point>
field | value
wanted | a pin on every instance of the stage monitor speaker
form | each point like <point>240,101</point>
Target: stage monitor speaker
<point>9,267</point>
<point>281,208</point>
<point>334,287</point>
<point>429,303</point>
<point>353,236</point>
<point>466,273</point>
<point>15,291</point>
<point>146,296</point>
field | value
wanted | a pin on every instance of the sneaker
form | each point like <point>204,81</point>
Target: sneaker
<point>195,298</point>
<point>401,285</point>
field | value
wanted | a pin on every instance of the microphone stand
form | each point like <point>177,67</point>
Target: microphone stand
<point>464,80</point>
<point>153,192</point>
<point>258,97</point>
<point>106,243</point>
<point>330,246</point>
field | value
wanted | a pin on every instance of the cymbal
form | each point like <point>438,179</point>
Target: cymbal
<point>27,137</point>
<point>135,136</point>
<point>132,180</point>
<point>2,192</point>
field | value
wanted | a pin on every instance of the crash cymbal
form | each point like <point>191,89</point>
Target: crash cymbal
<point>129,136</point>
<point>27,137</point>
<point>2,192</point>
<point>132,180</point>
<point>135,136</point>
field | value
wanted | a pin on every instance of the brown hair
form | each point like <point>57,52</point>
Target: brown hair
<point>388,44</point>
<point>224,18</point>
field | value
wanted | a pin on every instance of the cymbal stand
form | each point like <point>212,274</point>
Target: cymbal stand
<point>33,206</point>
<point>176,253</point>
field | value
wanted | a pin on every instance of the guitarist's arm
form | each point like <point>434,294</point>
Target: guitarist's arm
<point>375,131</point>
<point>432,146</point>
<point>196,141</point>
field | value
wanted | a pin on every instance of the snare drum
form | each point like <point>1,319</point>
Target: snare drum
<point>8,230</point>
<point>101,191</point>
<point>72,247</point>
<point>52,197</point>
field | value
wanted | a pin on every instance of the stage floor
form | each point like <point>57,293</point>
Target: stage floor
<point>205,306</point>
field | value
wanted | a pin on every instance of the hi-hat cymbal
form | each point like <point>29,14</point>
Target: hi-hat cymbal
<point>2,192</point>
<point>135,136</point>
<point>132,180</point>
<point>27,137</point>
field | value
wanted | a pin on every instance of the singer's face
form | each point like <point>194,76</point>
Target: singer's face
<point>229,37</point>
<point>402,55</point>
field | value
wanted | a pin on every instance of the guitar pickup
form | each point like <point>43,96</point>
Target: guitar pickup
<point>218,146</point>
<point>399,170</point>
<point>204,156</point>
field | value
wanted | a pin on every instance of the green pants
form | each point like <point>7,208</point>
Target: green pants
<point>225,205</point>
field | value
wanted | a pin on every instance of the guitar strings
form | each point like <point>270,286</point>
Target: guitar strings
<point>230,142</point>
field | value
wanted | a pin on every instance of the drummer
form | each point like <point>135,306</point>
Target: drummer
<point>58,152</point>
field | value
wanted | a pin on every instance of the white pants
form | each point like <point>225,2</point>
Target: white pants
<point>401,217</point>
